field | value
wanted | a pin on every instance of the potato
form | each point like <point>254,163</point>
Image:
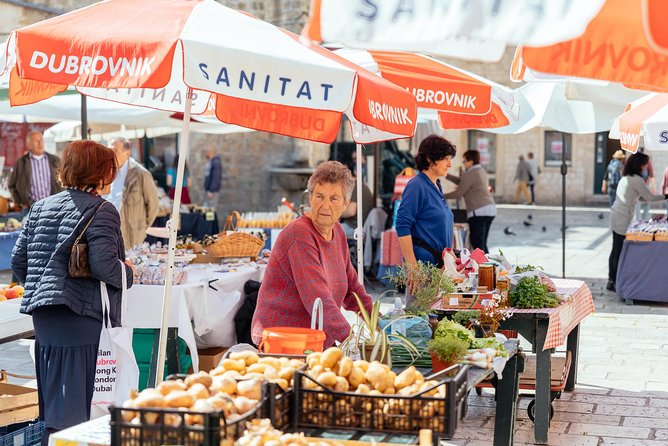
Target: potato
<point>282,383</point>
<point>180,398</point>
<point>224,384</point>
<point>315,371</point>
<point>238,365</point>
<point>128,415</point>
<point>284,362</point>
<point>270,360</point>
<point>427,385</point>
<point>168,386</point>
<point>259,376</point>
<point>405,378</point>
<point>257,368</point>
<point>389,391</point>
<point>364,365</point>
<point>389,379</point>
<point>217,371</point>
<point>296,363</point>
<point>341,385</point>
<point>356,377</point>
<point>199,406</point>
<point>251,389</point>
<point>172,419</point>
<point>199,377</point>
<point>244,404</point>
<point>327,379</point>
<point>249,358</point>
<point>286,373</point>
<point>330,357</point>
<point>199,391</point>
<point>344,367</point>
<point>234,374</point>
<point>270,373</point>
<point>376,375</point>
<point>363,389</point>
<point>149,399</point>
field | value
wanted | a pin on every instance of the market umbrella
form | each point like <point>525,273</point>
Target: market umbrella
<point>647,118</point>
<point>186,56</point>
<point>467,29</point>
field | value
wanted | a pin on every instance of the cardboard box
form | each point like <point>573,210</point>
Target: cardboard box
<point>464,301</point>
<point>17,404</point>
<point>209,358</point>
<point>205,258</point>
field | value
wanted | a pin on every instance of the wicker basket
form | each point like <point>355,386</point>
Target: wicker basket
<point>661,236</point>
<point>640,236</point>
<point>236,244</point>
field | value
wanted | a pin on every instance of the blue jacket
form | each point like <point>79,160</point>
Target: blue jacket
<point>43,249</point>
<point>425,213</point>
<point>214,174</point>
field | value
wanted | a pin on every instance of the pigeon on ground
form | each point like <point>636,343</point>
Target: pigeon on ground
<point>601,216</point>
<point>526,223</point>
<point>544,229</point>
<point>508,231</point>
<point>530,217</point>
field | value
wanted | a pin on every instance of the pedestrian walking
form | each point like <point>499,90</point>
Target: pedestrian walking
<point>613,175</point>
<point>213,173</point>
<point>522,176</point>
<point>534,171</point>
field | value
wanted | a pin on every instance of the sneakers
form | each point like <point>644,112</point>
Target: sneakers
<point>610,286</point>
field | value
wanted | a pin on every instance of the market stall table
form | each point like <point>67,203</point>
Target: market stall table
<point>7,242</point>
<point>546,329</point>
<point>638,262</point>
<point>14,325</point>
<point>202,310</point>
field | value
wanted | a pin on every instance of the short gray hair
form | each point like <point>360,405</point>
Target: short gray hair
<point>125,142</point>
<point>333,172</point>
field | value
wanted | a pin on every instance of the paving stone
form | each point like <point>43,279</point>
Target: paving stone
<point>659,402</point>
<point>648,412</point>
<point>654,423</point>
<point>568,406</point>
<point>611,420</point>
<point>661,434</point>
<point>557,439</point>
<point>606,399</point>
<point>616,431</point>
<point>611,441</point>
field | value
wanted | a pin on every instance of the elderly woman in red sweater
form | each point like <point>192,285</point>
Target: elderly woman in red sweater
<point>311,259</point>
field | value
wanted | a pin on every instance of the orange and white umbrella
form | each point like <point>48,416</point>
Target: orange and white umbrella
<point>647,118</point>
<point>614,47</point>
<point>199,56</point>
<point>462,99</point>
<point>467,29</point>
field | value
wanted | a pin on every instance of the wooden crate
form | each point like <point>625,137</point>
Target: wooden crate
<point>464,301</point>
<point>17,404</point>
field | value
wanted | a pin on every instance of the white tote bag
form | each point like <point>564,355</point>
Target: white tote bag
<point>116,372</point>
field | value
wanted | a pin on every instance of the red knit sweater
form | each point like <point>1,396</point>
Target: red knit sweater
<point>304,266</point>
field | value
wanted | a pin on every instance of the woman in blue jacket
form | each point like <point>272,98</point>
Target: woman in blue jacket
<point>67,312</point>
<point>424,219</point>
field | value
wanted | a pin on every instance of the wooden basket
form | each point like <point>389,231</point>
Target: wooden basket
<point>640,236</point>
<point>236,244</point>
<point>661,236</point>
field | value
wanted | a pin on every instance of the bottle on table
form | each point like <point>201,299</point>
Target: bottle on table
<point>398,325</point>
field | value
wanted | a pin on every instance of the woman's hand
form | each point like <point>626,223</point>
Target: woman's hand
<point>131,264</point>
<point>411,278</point>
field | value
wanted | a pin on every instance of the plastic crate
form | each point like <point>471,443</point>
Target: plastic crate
<point>22,434</point>
<point>325,408</point>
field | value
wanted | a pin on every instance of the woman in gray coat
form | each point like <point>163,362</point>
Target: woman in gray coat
<point>630,189</point>
<point>66,311</point>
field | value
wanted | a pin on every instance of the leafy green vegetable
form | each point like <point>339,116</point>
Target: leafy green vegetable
<point>449,329</point>
<point>448,349</point>
<point>464,316</point>
<point>530,293</point>
<point>527,268</point>
<point>432,282</point>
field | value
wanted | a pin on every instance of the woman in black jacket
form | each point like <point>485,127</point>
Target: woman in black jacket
<point>67,312</point>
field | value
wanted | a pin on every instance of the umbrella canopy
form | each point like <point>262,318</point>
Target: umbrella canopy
<point>614,47</point>
<point>249,72</point>
<point>647,118</point>
<point>202,57</point>
<point>467,29</point>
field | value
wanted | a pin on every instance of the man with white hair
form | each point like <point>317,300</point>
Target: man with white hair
<point>35,174</point>
<point>133,193</point>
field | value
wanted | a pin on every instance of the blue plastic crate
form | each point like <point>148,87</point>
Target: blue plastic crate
<point>24,436</point>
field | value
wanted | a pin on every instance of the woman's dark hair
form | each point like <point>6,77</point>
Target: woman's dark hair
<point>87,164</point>
<point>432,149</point>
<point>635,163</point>
<point>472,155</point>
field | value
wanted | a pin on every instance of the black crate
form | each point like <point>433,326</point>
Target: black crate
<point>171,427</point>
<point>326,408</point>
<point>22,434</point>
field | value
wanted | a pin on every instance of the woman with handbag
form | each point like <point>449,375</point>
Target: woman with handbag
<point>70,243</point>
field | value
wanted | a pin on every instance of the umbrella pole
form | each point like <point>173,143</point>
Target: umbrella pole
<point>84,117</point>
<point>359,232</point>
<point>564,171</point>
<point>173,225</point>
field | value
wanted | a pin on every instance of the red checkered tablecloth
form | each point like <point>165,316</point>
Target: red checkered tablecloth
<point>566,316</point>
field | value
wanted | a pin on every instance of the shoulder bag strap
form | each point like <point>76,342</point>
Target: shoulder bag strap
<point>76,242</point>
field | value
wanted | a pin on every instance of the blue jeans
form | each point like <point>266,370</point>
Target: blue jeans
<point>612,194</point>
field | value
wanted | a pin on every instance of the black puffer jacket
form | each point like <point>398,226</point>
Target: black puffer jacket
<point>43,248</point>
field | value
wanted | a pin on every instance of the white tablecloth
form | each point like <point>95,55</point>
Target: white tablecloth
<point>13,323</point>
<point>204,317</point>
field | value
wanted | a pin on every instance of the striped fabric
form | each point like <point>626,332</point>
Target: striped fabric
<point>40,179</point>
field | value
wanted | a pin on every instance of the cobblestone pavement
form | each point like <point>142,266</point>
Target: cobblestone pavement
<point>622,393</point>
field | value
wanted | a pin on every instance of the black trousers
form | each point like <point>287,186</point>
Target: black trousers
<point>533,196</point>
<point>613,261</point>
<point>479,227</point>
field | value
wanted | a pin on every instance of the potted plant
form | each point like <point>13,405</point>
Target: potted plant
<point>446,351</point>
<point>370,340</point>
<point>430,283</point>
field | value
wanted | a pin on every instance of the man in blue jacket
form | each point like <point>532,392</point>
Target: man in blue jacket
<point>213,173</point>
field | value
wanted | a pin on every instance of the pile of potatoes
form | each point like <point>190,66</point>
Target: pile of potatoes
<point>233,388</point>
<point>335,371</point>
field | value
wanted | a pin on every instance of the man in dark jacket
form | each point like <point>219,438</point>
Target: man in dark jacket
<point>35,175</point>
<point>213,173</point>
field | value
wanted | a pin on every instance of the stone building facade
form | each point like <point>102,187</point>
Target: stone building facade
<point>248,158</point>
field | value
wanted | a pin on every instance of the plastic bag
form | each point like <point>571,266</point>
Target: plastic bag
<point>418,330</point>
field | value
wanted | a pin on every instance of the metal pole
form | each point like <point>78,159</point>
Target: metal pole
<point>84,117</point>
<point>173,225</point>
<point>359,231</point>
<point>564,171</point>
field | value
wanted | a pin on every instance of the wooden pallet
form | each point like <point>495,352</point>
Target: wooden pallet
<point>560,366</point>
